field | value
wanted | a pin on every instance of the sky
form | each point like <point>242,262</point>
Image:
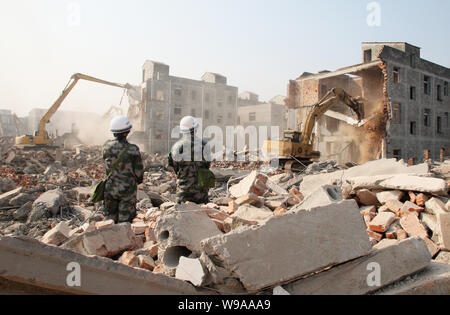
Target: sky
<point>259,45</point>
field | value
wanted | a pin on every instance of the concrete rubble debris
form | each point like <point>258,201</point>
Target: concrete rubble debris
<point>105,242</point>
<point>395,262</point>
<point>384,196</point>
<point>335,215</point>
<point>57,235</point>
<point>254,183</point>
<point>323,196</point>
<point>180,230</point>
<point>190,270</point>
<point>299,231</point>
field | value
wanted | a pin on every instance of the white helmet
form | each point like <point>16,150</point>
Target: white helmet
<point>188,124</point>
<point>120,124</point>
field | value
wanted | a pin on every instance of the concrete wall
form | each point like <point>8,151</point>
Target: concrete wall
<point>169,99</point>
<point>371,86</point>
<point>401,142</point>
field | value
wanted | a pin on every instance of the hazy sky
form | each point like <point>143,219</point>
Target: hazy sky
<point>258,44</point>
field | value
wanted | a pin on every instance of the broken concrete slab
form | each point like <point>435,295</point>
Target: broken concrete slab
<point>23,212</point>
<point>57,235</point>
<point>323,196</point>
<point>139,227</point>
<point>432,247</point>
<point>280,291</point>
<point>395,206</point>
<point>191,270</point>
<point>6,197</point>
<point>433,280</point>
<point>409,207</point>
<point>443,223</point>
<point>130,259</point>
<point>435,206</point>
<point>384,196</point>
<point>412,225</point>
<point>382,222</point>
<point>430,185</point>
<point>47,266</point>
<point>249,198</point>
<point>377,167</point>
<point>103,224</point>
<point>146,262</point>
<point>443,257</point>
<point>367,197</point>
<point>251,213</point>
<point>301,233</point>
<point>357,277</point>
<point>180,230</point>
<point>106,242</point>
<point>254,183</point>
<point>48,204</point>
<point>430,221</point>
<point>21,199</point>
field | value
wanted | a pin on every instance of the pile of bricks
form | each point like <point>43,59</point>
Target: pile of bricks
<point>397,215</point>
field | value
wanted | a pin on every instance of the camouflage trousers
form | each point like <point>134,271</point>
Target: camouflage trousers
<point>120,210</point>
<point>196,196</point>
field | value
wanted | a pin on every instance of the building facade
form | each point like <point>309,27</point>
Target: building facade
<point>252,112</point>
<point>166,99</point>
<point>405,95</point>
<point>10,124</point>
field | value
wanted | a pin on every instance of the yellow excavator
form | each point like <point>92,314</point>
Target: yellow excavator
<point>41,137</point>
<point>296,151</point>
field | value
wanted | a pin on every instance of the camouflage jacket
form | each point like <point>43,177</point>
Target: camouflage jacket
<point>130,171</point>
<point>186,163</point>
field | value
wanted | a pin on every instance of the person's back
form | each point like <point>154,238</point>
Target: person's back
<point>121,188</point>
<point>187,156</point>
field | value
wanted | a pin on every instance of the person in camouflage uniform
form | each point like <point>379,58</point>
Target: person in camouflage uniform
<point>121,188</point>
<point>186,156</point>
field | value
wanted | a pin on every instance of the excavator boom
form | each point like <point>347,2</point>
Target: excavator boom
<point>297,146</point>
<point>41,137</point>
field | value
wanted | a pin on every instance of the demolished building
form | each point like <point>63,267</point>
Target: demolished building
<point>406,97</point>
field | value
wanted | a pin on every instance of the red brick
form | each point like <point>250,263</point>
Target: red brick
<point>412,196</point>
<point>382,222</point>
<point>401,234</point>
<point>103,224</point>
<point>367,198</point>
<point>374,235</point>
<point>146,262</point>
<point>129,259</point>
<point>220,224</point>
<point>232,207</point>
<point>279,211</point>
<point>421,199</point>
<point>409,207</point>
<point>249,198</point>
<point>394,205</point>
<point>411,224</point>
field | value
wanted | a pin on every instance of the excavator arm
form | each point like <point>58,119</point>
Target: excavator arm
<point>333,97</point>
<point>297,148</point>
<point>42,133</point>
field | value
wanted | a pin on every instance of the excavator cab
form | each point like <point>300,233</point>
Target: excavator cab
<point>296,150</point>
<point>292,136</point>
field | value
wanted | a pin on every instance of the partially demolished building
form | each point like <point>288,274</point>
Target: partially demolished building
<point>406,96</point>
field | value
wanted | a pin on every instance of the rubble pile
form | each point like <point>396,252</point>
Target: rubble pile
<point>263,232</point>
